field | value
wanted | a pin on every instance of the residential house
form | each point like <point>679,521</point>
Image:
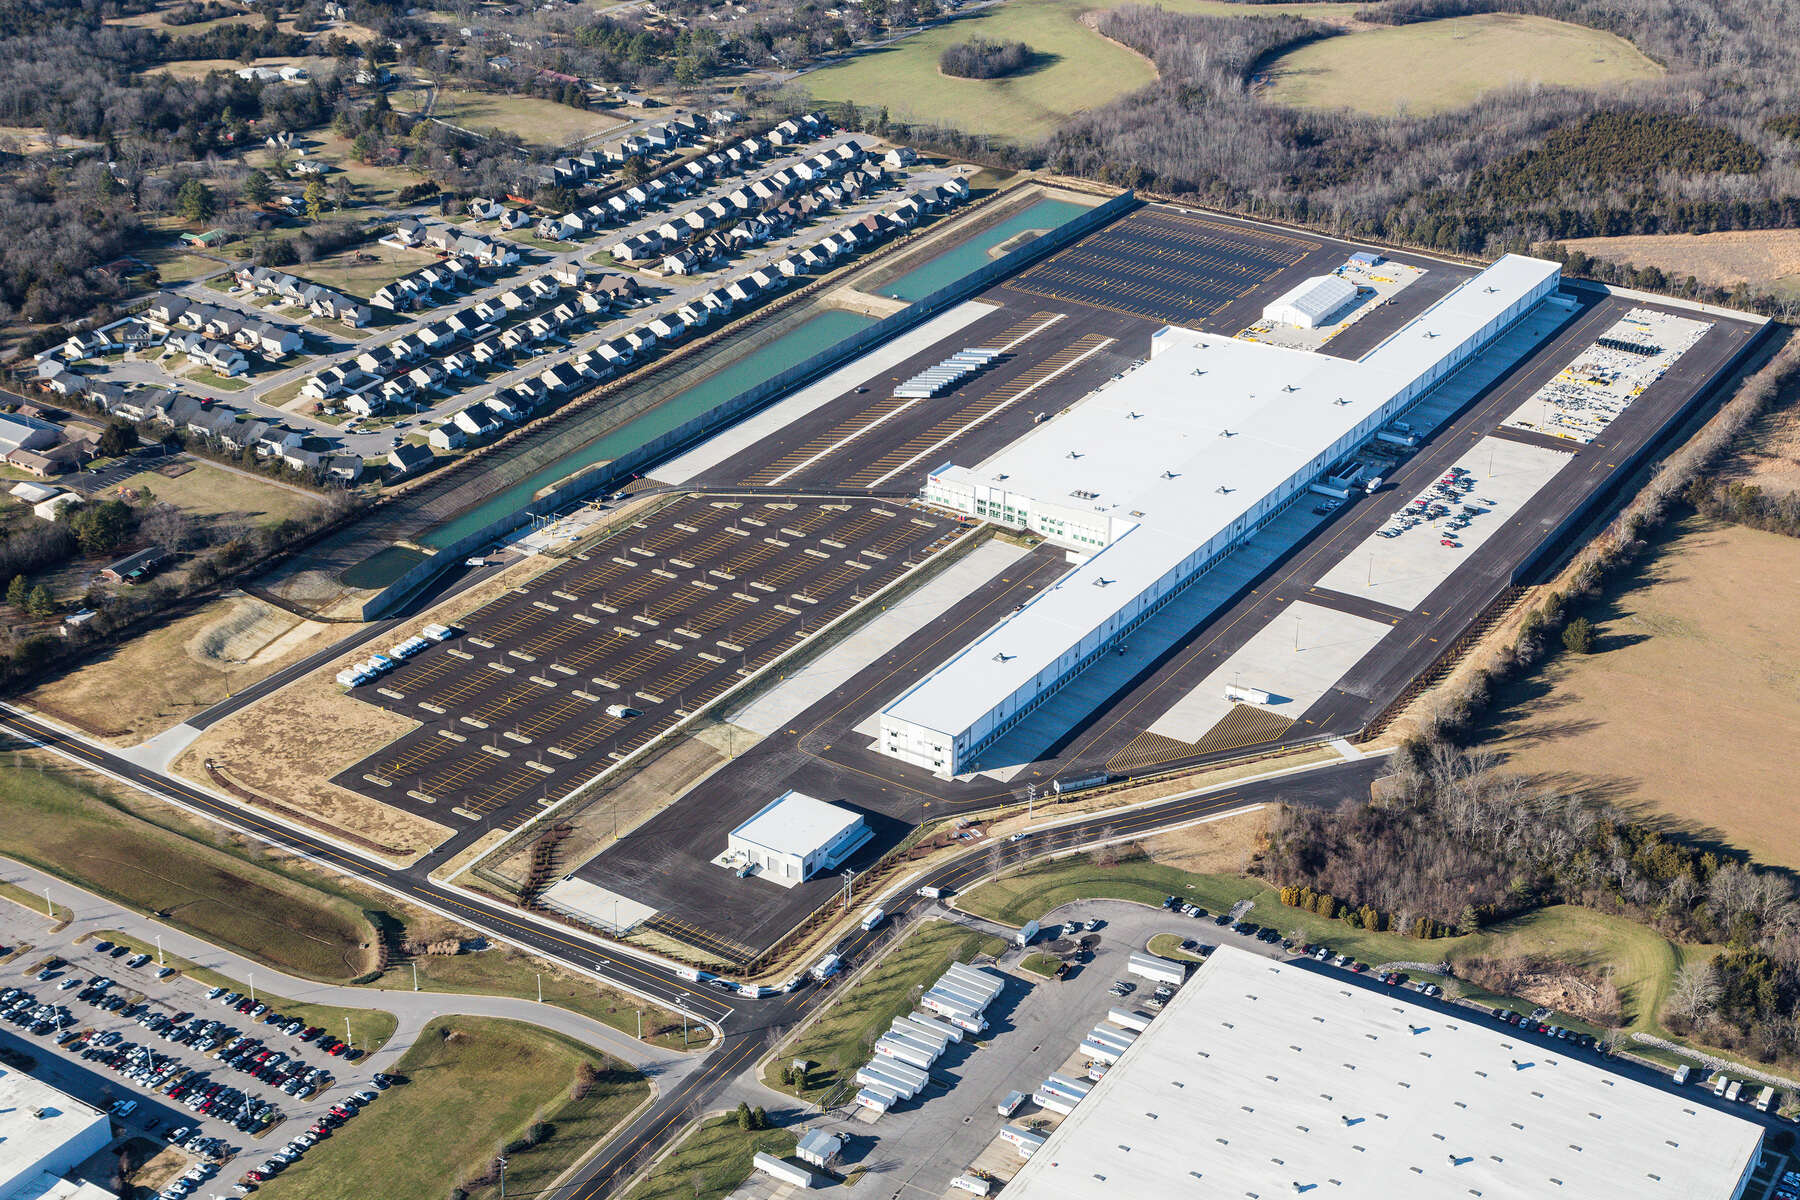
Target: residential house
<point>569,274</point>
<point>560,379</point>
<point>682,262</point>
<point>409,459</point>
<point>477,421</point>
<point>448,436</point>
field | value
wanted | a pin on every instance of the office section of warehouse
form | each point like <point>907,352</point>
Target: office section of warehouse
<point>1265,1078</point>
<point>1156,476</point>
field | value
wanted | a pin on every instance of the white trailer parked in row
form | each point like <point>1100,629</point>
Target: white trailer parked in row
<point>1160,970</point>
<point>1130,1019</point>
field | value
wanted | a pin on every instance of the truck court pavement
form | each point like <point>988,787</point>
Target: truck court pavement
<point>562,679</point>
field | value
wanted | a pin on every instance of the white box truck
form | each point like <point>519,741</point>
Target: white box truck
<point>874,917</point>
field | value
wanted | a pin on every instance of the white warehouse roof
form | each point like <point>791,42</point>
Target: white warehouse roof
<point>1181,454</point>
<point>43,1130</point>
<point>1309,302</point>
<point>1269,1079</point>
<point>796,824</point>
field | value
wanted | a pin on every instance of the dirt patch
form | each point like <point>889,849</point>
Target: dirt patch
<point>1587,995</point>
<point>1687,709</point>
<point>633,797</point>
<point>1764,259</point>
<point>159,680</point>
<point>1214,848</point>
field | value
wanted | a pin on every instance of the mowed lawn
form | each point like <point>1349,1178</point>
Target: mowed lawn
<point>1767,260</point>
<point>710,1162</point>
<point>1689,707</point>
<point>1076,69</point>
<point>540,122</point>
<point>50,817</point>
<point>1433,66</point>
<point>472,1085</point>
<point>212,491</point>
<point>839,1042</point>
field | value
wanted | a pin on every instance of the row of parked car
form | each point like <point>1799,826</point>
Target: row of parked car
<point>169,1076</point>
<point>21,1008</point>
<point>294,1027</point>
<point>321,1129</point>
<point>184,1184</point>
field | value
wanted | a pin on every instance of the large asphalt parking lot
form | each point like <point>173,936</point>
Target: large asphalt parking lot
<point>661,617</point>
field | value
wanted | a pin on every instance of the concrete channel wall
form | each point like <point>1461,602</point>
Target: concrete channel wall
<point>605,477</point>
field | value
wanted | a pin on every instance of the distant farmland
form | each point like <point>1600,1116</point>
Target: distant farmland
<point>1432,66</point>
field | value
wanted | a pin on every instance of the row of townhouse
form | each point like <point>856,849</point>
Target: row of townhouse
<point>399,372</point>
<point>751,230</point>
<point>667,187</point>
<point>410,233</point>
<point>779,199</point>
<point>168,314</point>
<point>318,300</point>
<point>427,286</point>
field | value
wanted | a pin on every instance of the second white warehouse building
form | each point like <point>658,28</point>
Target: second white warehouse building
<point>1156,477</point>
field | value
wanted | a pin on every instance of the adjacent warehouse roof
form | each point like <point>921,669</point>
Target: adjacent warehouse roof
<point>1269,1079</point>
<point>1311,302</point>
<point>43,1132</point>
<point>1178,454</point>
<point>797,824</point>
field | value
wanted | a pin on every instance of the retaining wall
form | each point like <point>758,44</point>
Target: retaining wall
<point>606,477</point>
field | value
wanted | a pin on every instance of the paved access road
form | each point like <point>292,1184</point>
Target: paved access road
<point>746,1026</point>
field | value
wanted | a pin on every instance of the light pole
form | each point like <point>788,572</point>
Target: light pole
<point>415,967</point>
<point>49,908</point>
<point>159,951</point>
<point>253,987</point>
<point>640,1017</point>
<point>540,980</point>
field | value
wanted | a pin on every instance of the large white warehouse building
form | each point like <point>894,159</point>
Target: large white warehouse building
<point>1271,1079</point>
<point>1158,475</point>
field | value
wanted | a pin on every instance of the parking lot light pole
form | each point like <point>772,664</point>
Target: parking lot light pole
<point>253,987</point>
<point>540,980</point>
<point>159,952</point>
<point>415,968</point>
<point>351,1041</point>
<point>49,908</point>
<point>640,1016</point>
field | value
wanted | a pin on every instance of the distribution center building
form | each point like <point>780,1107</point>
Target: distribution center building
<point>44,1133</point>
<point>1159,474</point>
<point>794,837</point>
<point>1264,1079</point>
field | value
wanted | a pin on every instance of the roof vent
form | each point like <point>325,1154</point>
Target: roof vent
<point>1226,433</point>
<point>1004,657</point>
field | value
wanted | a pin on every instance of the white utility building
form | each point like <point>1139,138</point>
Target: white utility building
<point>44,1133</point>
<point>1273,1079</point>
<point>1156,476</point>
<point>794,837</point>
<point>1311,302</point>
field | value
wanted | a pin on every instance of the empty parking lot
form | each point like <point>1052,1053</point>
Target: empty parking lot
<point>554,683</point>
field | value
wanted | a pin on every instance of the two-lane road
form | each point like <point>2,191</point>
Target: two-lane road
<point>746,1024</point>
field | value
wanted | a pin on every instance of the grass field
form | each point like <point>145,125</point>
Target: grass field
<point>541,122</point>
<point>212,491</point>
<point>1168,945</point>
<point>1765,260</point>
<point>474,1084</point>
<point>1076,69</point>
<point>1432,66</point>
<point>710,1162</point>
<point>1714,754</point>
<point>364,270</point>
<point>839,1041</point>
<point>53,820</point>
<point>1040,964</point>
<point>159,679</point>
<point>370,1027</point>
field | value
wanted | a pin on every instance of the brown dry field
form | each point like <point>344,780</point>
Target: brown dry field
<point>159,680</point>
<point>1687,711</point>
<point>1770,458</point>
<point>1766,259</point>
<point>1221,847</point>
<point>288,745</point>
